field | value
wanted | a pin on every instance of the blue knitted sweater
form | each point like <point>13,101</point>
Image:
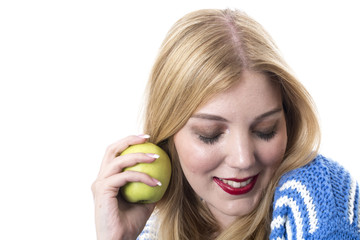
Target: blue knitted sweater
<point>318,201</point>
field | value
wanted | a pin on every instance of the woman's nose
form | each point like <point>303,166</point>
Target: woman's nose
<point>240,152</point>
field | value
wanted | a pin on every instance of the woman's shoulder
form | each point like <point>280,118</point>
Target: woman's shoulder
<point>321,173</point>
<point>317,201</point>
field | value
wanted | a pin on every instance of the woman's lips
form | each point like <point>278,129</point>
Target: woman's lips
<point>235,186</point>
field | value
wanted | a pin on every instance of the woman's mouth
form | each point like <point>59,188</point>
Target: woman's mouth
<point>235,186</point>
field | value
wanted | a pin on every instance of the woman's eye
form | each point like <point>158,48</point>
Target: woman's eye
<point>209,139</point>
<point>267,136</point>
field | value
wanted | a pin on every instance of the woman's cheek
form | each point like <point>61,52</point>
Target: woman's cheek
<point>272,153</point>
<point>195,157</point>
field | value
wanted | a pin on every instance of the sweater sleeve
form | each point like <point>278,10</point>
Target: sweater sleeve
<point>317,201</point>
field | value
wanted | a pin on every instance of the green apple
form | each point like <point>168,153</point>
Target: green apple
<point>160,169</point>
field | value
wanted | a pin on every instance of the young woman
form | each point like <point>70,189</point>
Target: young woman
<point>242,135</point>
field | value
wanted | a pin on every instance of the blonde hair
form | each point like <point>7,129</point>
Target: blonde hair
<point>204,54</point>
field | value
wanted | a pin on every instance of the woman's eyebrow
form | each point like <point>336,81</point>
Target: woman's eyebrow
<point>259,118</point>
<point>267,114</point>
<point>209,117</point>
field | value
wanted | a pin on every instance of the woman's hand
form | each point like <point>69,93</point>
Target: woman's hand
<point>114,217</point>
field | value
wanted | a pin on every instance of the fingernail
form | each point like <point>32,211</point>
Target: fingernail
<point>153,155</point>
<point>157,182</point>
<point>146,136</point>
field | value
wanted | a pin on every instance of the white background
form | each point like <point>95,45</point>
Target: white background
<point>72,77</point>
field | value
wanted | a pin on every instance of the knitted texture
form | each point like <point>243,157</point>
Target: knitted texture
<point>317,201</point>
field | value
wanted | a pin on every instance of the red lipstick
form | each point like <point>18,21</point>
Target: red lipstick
<point>236,190</point>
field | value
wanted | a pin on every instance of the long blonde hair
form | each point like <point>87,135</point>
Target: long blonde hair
<point>204,54</point>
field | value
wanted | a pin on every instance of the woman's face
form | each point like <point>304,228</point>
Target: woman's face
<point>231,146</point>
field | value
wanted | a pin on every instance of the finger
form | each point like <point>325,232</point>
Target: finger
<point>110,186</point>
<point>116,148</point>
<point>128,160</point>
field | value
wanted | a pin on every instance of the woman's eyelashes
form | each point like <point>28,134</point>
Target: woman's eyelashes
<point>209,134</point>
<point>213,136</point>
<point>209,139</point>
<point>266,134</point>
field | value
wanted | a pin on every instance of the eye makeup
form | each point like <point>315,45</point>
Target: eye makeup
<point>209,140</point>
<point>208,134</point>
<point>209,131</point>
<point>267,134</point>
